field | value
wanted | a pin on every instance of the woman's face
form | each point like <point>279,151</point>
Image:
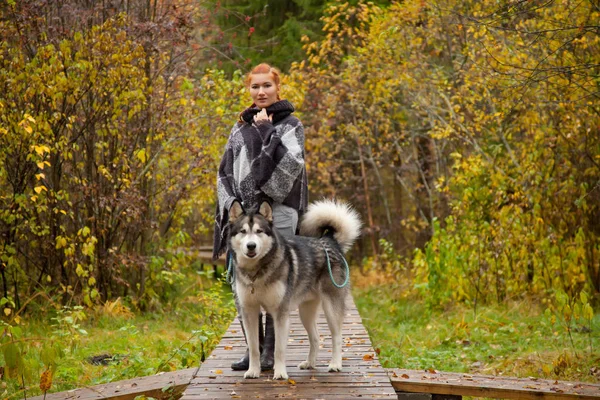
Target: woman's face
<point>263,90</point>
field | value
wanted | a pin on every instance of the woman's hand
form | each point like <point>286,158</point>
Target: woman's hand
<point>262,116</point>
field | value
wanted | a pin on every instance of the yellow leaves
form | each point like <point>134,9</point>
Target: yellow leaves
<point>89,247</point>
<point>85,231</point>
<point>40,189</point>
<point>42,164</point>
<point>41,150</point>
<point>141,155</point>
<point>80,271</point>
<point>46,380</point>
<point>25,123</point>
<point>61,242</point>
<point>587,312</point>
<point>105,172</point>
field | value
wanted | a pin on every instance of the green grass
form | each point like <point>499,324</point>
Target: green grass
<point>179,335</point>
<point>517,339</point>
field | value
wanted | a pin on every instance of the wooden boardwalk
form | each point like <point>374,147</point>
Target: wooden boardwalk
<point>362,377</point>
<point>490,386</point>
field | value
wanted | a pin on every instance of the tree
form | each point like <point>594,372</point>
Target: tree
<point>104,148</point>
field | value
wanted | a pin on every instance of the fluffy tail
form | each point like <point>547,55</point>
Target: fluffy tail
<point>330,215</point>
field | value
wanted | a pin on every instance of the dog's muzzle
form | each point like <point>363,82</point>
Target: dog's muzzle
<point>251,249</point>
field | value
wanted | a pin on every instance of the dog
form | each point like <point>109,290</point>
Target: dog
<point>282,274</point>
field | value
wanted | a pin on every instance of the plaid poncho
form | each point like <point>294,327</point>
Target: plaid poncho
<point>263,161</point>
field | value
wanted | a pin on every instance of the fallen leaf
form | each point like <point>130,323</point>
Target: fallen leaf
<point>395,375</point>
<point>218,372</point>
<point>228,347</point>
<point>405,376</point>
<point>368,357</point>
<point>291,381</point>
<point>432,371</point>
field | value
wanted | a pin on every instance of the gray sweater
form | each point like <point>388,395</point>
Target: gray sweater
<point>263,161</point>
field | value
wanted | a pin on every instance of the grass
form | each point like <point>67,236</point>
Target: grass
<point>515,339</point>
<point>176,336</point>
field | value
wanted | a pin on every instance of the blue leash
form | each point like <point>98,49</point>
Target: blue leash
<point>331,273</point>
<point>230,276</point>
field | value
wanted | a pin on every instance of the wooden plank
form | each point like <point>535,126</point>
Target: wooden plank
<point>161,386</point>
<point>362,377</point>
<point>293,391</point>
<point>207,256</point>
<point>490,386</point>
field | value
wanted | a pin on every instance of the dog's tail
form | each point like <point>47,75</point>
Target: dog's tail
<point>329,215</point>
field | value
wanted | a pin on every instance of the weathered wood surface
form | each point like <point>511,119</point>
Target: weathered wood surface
<point>164,385</point>
<point>204,253</point>
<point>362,377</point>
<point>490,386</point>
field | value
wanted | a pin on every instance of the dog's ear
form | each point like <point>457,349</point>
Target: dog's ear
<point>266,211</point>
<point>235,211</point>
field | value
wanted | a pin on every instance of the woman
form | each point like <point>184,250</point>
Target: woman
<point>263,160</point>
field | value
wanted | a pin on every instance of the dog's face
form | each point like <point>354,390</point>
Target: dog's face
<point>251,234</point>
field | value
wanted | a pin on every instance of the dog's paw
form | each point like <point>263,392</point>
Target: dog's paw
<point>280,374</point>
<point>306,365</point>
<point>335,367</point>
<point>252,373</point>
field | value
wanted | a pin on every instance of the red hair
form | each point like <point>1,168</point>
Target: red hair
<point>263,68</point>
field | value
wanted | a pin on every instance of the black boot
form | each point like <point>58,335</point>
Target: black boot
<point>267,358</point>
<point>244,363</point>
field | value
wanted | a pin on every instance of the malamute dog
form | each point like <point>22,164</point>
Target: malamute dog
<point>281,274</point>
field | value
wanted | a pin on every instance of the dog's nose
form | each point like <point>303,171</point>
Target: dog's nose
<point>251,246</point>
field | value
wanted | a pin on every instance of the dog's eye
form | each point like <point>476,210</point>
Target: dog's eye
<point>259,231</point>
<point>242,231</point>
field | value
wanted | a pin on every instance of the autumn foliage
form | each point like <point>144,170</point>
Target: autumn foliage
<point>467,133</point>
<point>107,146</point>
<point>465,130</point>
<point>472,131</point>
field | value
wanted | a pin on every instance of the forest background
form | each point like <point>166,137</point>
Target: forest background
<point>466,133</point>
